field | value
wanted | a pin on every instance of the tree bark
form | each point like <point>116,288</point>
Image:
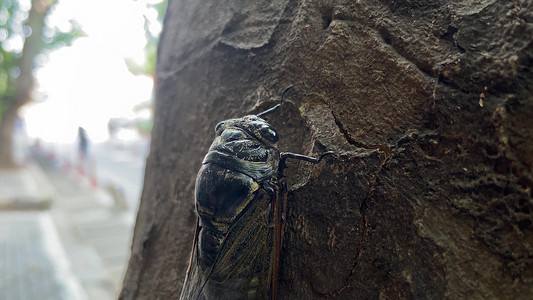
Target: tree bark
<point>428,105</point>
<point>25,81</point>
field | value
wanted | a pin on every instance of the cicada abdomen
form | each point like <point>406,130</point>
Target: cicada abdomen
<point>239,198</point>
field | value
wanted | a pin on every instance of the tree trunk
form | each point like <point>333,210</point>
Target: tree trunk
<point>427,103</point>
<point>25,81</point>
<point>7,124</point>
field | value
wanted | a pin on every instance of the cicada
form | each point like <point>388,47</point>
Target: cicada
<point>240,200</point>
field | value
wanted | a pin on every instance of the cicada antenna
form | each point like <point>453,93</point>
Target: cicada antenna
<point>277,106</point>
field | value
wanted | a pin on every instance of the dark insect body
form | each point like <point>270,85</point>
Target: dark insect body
<point>240,201</point>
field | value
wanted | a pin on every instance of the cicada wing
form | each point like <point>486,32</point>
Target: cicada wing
<point>191,281</point>
<point>242,268</point>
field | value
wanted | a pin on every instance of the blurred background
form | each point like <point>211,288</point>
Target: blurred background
<point>76,111</point>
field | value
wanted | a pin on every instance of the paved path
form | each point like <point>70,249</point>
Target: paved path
<point>96,236</point>
<point>33,263</point>
<point>24,188</point>
<point>60,238</point>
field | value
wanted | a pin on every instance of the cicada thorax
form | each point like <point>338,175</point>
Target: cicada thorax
<point>235,190</point>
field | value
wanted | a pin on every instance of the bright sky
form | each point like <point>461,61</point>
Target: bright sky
<point>88,83</point>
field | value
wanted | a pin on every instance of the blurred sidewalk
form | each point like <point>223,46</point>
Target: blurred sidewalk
<point>25,188</point>
<point>33,263</point>
<point>60,237</point>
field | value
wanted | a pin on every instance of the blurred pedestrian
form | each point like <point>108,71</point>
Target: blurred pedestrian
<point>83,150</point>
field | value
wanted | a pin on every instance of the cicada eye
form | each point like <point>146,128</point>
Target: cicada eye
<point>219,128</point>
<point>269,133</point>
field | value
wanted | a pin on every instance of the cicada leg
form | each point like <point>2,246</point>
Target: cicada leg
<point>279,207</point>
<point>280,210</point>
<point>286,155</point>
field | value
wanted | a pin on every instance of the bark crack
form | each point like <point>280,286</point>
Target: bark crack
<point>364,228</point>
<point>381,147</point>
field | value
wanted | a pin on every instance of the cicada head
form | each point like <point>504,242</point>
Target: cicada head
<point>247,145</point>
<point>248,127</point>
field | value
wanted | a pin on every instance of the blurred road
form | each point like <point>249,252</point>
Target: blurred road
<point>120,169</point>
<point>94,229</point>
<point>33,263</point>
<point>115,166</point>
<point>66,232</point>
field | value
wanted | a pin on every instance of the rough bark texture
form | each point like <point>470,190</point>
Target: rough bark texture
<point>429,105</point>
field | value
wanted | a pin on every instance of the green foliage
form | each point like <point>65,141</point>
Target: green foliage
<point>10,16</point>
<point>13,19</point>
<point>161,9</point>
<point>57,38</point>
<point>144,127</point>
<point>150,49</point>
